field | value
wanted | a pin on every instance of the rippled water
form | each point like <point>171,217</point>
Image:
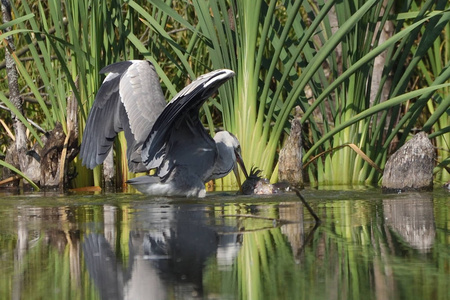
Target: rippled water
<point>115,246</point>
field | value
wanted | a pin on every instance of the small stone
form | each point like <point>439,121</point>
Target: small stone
<point>411,167</point>
<point>264,187</point>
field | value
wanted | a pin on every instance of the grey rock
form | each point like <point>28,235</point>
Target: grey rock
<point>411,167</point>
<point>290,160</point>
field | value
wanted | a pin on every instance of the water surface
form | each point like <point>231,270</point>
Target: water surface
<point>128,246</point>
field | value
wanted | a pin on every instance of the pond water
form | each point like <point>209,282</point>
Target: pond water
<point>128,246</point>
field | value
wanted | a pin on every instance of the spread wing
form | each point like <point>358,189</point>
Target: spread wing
<point>129,99</point>
<point>182,109</point>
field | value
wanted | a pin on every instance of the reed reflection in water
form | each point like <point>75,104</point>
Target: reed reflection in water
<point>369,246</point>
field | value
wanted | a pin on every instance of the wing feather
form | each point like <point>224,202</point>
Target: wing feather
<point>142,97</point>
<point>129,99</point>
<point>103,123</point>
<point>185,105</point>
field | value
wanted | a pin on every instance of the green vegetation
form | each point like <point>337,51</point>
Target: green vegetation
<point>369,245</point>
<point>315,55</point>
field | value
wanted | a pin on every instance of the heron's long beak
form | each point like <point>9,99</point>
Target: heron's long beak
<point>236,169</point>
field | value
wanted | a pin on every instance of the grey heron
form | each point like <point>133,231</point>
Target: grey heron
<point>167,137</point>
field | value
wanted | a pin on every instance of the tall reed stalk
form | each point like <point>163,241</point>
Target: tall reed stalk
<point>318,56</point>
<point>277,53</point>
<point>70,41</point>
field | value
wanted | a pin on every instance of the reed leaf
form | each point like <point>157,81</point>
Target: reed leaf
<point>20,116</point>
<point>373,110</point>
<point>18,172</point>
<point>318,56</point>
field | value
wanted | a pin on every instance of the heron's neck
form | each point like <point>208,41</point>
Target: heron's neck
<point>225,160</point>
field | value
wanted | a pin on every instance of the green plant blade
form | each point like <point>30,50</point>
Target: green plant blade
<point>18,172</point>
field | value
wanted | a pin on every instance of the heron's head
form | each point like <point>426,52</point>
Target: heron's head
<point>233,144</point>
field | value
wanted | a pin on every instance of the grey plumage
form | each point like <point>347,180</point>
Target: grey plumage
<point>169,138</point>
<point>130,99</point>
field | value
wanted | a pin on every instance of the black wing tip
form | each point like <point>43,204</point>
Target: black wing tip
<point>122,66</point>
<point>215,79</point>
<point>229,73</point>
<point>118,67</point>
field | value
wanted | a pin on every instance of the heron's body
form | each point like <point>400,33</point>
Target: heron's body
<point>169,138</point>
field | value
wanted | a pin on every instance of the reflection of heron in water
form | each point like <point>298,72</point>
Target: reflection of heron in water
<point>169,138</point>
<point>116,282</point>
<point>170,254</point>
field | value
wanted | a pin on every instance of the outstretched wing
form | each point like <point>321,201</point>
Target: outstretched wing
<point>184,107</point>
<point>129,99</point>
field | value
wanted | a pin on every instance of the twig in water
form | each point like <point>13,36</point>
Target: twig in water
<point>316,218</point>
